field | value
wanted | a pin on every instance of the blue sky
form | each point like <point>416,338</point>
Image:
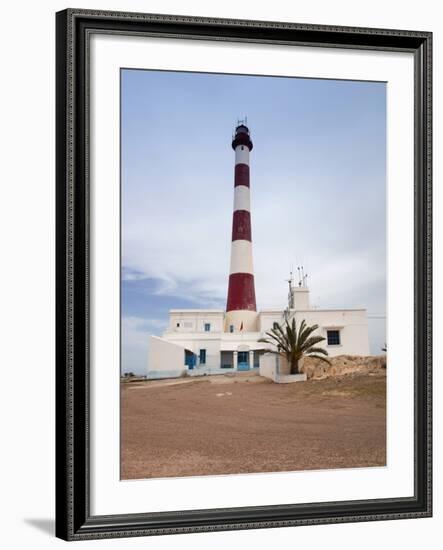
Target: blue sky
<point>318,189</point>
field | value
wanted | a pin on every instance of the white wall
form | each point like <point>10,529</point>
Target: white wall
<point>194,321</point>
<point>205,341</point>
<point>353,326</point>
<point>165,358</point>
<point>301,298</point>
<point>27,225</point>
<point>276,368</point>
<point>272,366</point>
<point>268,366</point>
<point>214,344</point>
<point>268,318</point>
<point>246,339</point>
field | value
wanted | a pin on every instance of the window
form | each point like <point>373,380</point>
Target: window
<point>275,325</point>
<point>231,328</point>
<point>226,359</point>
<point>333,337</point>
<point>207,327</point>
<point>177,325</point>
<point>202,357</point>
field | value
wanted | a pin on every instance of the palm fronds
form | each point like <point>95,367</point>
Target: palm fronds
<point>295,344</point>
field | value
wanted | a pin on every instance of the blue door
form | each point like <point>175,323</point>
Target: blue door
<point>190,359</point>
<point>243,360</point>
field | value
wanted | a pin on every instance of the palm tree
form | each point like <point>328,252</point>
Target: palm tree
<point>294,345</point>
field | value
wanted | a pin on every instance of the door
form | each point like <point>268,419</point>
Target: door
<point>190,359</point>
<point>243,360</point>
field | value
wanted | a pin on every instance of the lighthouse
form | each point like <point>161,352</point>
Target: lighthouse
<point>241,309</point>
<point>216,341</point>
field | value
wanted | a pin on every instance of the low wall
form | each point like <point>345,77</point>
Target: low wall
<point>268,366</point>
<point>276,368</point>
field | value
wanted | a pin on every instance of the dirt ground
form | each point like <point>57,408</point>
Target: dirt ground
<point>243,423</point>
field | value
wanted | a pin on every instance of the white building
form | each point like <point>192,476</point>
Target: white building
<point>196,340</point>
<point>207,341</point>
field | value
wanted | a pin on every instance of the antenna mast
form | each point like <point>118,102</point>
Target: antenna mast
<point>290,282</point>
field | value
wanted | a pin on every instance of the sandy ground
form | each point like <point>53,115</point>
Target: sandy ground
<point>244,423</point>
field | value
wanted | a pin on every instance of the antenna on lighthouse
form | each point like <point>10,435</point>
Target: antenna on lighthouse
<point>299,276</point>
<point>305,279</point>
<point>290,282</point>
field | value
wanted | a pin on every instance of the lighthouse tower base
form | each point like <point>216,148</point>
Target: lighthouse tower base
<point>241,319</point>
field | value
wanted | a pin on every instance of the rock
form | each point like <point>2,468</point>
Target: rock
<point>342,365</point>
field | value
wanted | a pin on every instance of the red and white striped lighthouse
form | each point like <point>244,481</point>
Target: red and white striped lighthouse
<point>241,309</point>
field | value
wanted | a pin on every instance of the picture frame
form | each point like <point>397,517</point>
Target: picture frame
<point>74,29</point>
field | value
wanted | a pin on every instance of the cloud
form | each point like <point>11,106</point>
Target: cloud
<point>317,187</point>
<point>188,251</point>
<point>135,341</point>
